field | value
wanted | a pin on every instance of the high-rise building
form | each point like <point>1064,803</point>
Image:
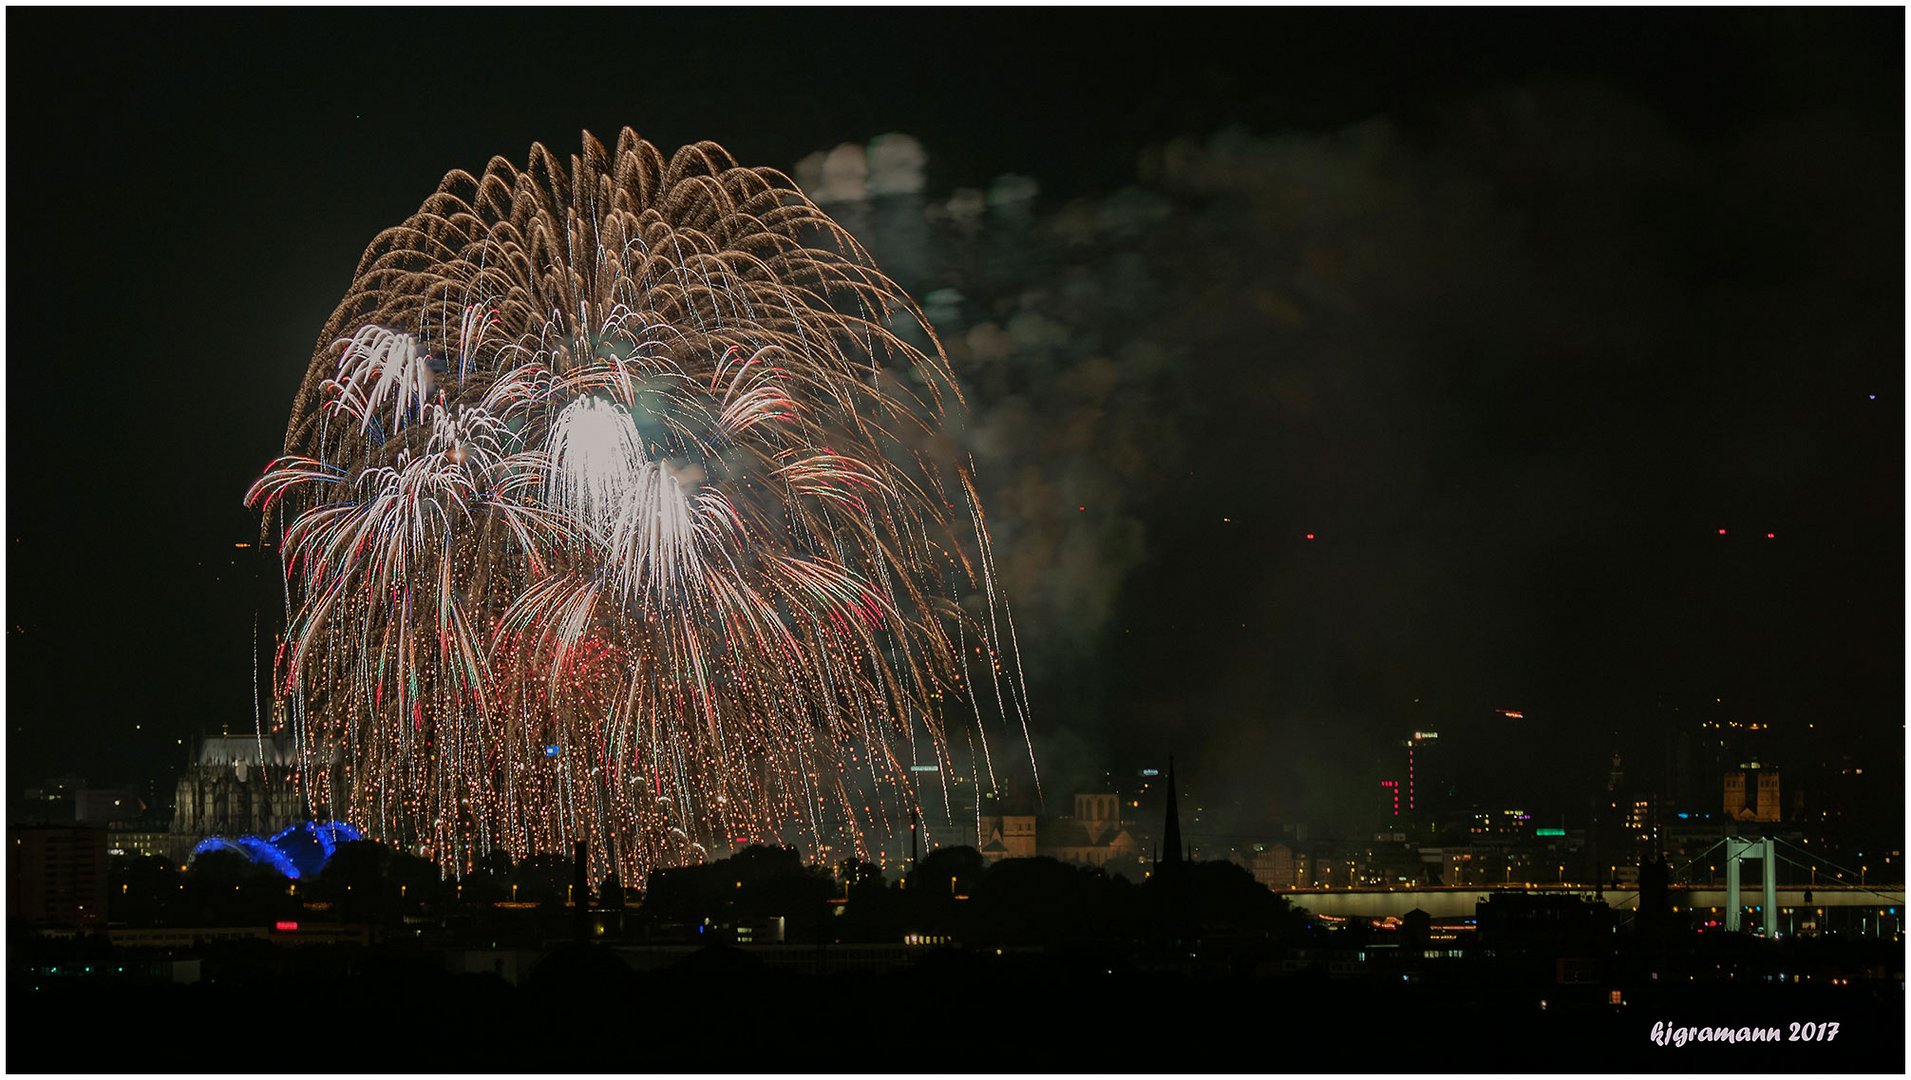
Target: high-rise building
<point>1422,786</point>
<point>1642,825</point>
<point>1692,767</point>
<point>1389,803</point>
<point>56,874</point>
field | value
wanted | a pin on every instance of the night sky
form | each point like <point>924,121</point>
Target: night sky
<point>1512,311</point>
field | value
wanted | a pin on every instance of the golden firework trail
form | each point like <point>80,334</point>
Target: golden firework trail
<point>617,506</point>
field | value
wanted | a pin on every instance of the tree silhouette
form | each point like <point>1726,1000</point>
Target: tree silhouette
<point>859,878</point>
<point>950,870</point>
<point>224,888</point>
<point>354,879</point>
<point>419,881</point>
<point>1041,901</point>
<point>754,883</point>
<point>144,890</point>
<point>544,878</point>
<point>610,892</point>
<point>490,880</point>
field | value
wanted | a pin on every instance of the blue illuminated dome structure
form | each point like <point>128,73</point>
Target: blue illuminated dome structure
<point>298,851</point>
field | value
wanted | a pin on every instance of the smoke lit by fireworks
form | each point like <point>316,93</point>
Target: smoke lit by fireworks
<point>616,506</point>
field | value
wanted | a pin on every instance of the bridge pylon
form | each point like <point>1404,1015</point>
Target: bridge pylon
<point>1738,849</point>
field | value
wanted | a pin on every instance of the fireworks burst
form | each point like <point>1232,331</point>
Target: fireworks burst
<point>615,507</point>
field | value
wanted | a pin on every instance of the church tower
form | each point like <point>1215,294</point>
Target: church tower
<point>1171,833</point>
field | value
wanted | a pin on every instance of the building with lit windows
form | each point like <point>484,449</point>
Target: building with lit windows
<point>1508,823</point>
<point>1422,762</point>
<point>56,874</point>
<point>1278,866</point>
<point>1642,823</point>
<point>139,839</point>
